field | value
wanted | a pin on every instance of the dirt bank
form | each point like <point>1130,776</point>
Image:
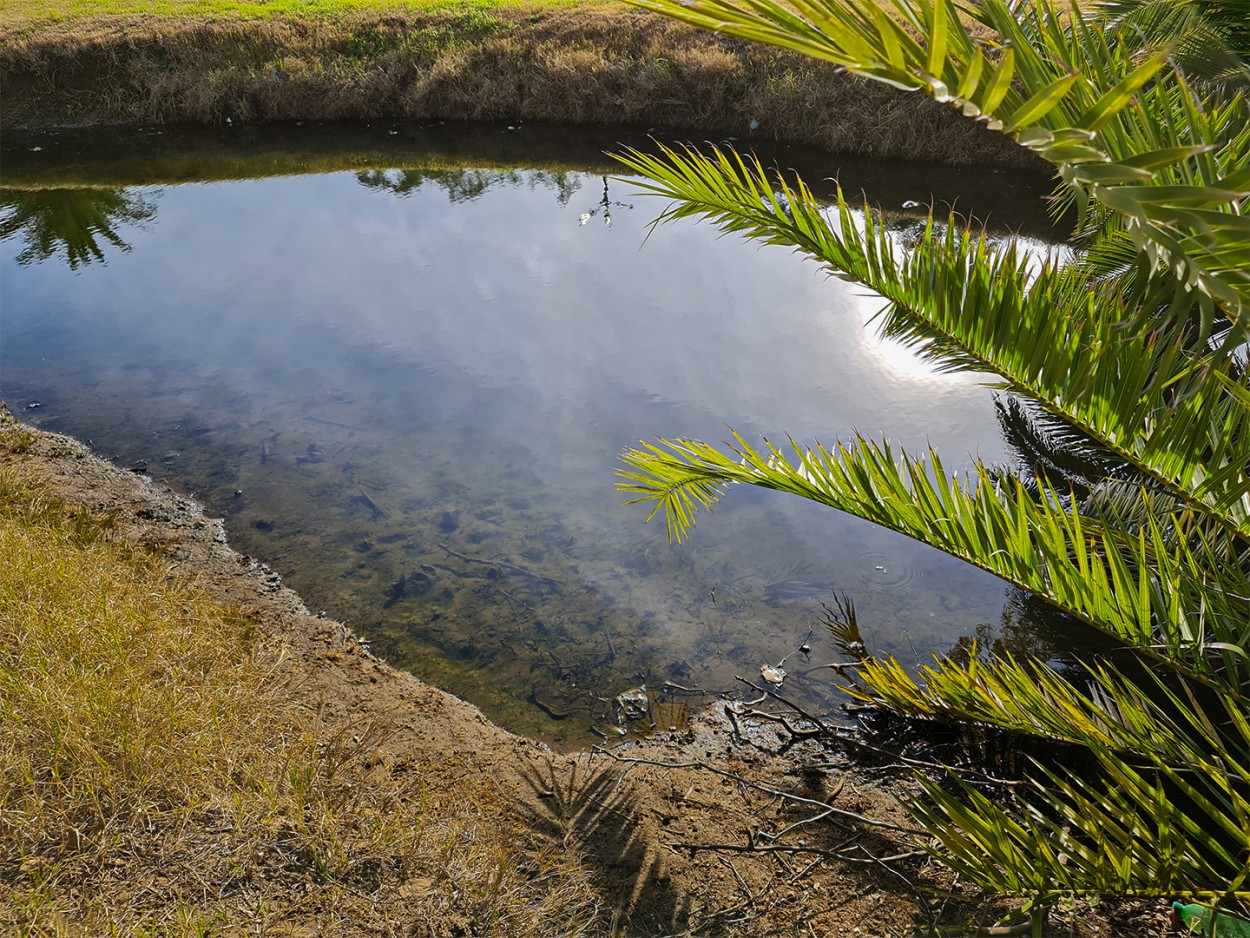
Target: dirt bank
<point>581,66</point>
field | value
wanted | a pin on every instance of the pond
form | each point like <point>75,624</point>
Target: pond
<point>402,361</point>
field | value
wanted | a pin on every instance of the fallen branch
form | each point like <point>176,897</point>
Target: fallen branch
<point>789,796</point>
<point>503,564</point>
<point>820,728</point>
<point>785,848</point>
<point>778,718</point>
<point>771,694</point>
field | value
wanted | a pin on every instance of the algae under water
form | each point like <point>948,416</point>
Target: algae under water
<point>402,360</point>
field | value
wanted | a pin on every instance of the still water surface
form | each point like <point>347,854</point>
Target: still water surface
<point>407,389</point>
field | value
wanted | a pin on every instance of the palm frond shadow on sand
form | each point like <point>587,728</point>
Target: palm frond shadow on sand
<point>588,805</point>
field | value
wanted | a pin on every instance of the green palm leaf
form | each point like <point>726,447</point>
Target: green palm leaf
<point>1129,358</point>
<point>970,304</point>
<point>1157,593</point>
<point>1168,812</point>
<point>1060,86</point>
<point>1211,37</point>
<point>1125,836</point>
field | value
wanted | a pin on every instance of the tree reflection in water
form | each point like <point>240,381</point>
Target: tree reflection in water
<point>75,222</point>
<point>465,185</point>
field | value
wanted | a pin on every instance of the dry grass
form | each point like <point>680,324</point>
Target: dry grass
<point>583,65</point>
<point>158,776</point>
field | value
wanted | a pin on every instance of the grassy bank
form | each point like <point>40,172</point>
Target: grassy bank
<point>124,62</point>
<point>160,774</point>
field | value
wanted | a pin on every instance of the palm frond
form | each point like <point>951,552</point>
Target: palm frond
<point>1211,38</point>
<point>1133,514</point>
<point>1126,835</point>
<point>1148,589</point>
<point>1166,811</point>
<point>1083,98</point>
<point>1031,699</point>
<point>962,300</point>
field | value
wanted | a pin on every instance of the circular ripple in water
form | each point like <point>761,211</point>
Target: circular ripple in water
<point>884,573</point>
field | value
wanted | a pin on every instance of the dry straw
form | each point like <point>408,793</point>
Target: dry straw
<point>159,775</point>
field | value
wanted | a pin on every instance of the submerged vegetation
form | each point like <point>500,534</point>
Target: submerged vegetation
<point>1128,367</point>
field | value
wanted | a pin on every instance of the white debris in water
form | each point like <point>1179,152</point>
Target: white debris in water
<point>633,704</point>
<point>773,675</point>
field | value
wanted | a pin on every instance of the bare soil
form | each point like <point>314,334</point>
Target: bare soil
<point>642,815</point>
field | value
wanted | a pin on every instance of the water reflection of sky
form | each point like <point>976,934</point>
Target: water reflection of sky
<point>509,289</point>
<point>504,343</point>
